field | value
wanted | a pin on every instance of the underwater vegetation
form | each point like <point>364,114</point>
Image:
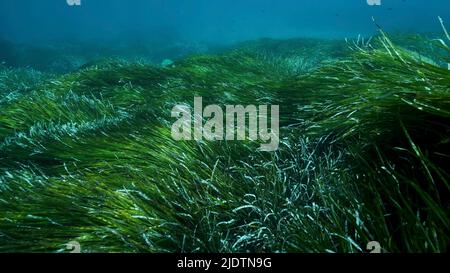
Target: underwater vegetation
<point>67,56</point>
<point>88,156</point>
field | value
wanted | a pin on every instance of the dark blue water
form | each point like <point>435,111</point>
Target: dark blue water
<point>219,21</point>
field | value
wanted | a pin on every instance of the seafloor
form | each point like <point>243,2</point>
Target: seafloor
<point>86,152</point>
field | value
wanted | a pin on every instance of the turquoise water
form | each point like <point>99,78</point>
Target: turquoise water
<point>219,21</point>
<point>103,146</point>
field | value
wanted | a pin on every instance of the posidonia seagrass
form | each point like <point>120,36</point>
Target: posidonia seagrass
<point>88,156</point>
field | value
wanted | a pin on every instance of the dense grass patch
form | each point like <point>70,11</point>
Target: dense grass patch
<point>88,156</point>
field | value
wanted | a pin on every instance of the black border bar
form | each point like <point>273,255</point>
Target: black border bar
<point>224,262</point>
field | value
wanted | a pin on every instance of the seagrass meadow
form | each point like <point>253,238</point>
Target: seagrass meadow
<point>87,155</point>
